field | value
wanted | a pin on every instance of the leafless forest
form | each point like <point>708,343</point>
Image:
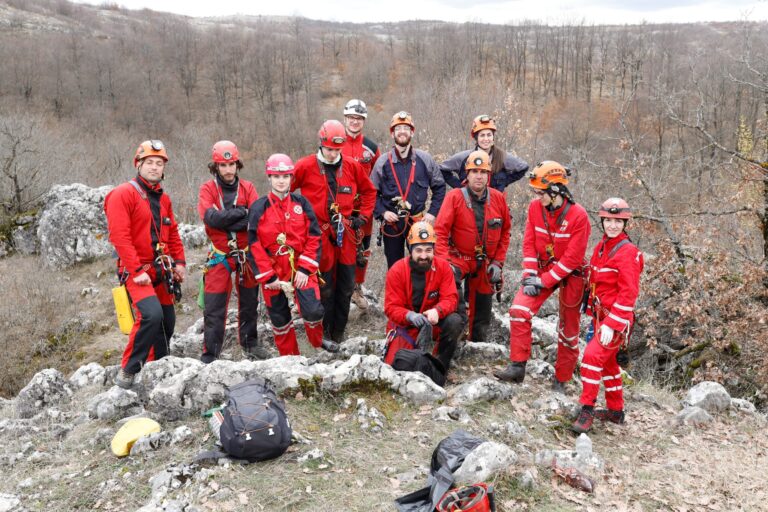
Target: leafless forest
<point>672,117</point>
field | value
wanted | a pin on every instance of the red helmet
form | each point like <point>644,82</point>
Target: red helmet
<point>150,148</point>
<point>615,208</point>
<point>332,134</point>
<point>279,164</point>
<point>224,152</point>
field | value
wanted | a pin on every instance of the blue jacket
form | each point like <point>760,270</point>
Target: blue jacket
<point>455,173</point>
<point>426,177</point>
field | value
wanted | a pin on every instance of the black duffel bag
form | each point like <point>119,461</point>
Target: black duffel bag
<point>416,360</point>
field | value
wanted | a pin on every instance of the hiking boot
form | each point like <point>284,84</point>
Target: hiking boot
<point>255,351</point>
<point>557,386</point>
<point>609,415</point>
<point>358,298</point>
<point>514,372</point>
<point>584,422</point>
<point>208,358</point>
<point>330,346</point>
<point>124,379</point>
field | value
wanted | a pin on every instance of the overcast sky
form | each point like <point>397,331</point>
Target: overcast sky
<point>494,11</point>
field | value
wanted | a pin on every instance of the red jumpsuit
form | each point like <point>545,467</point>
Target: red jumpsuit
<point>328,186</point>
<point>438,291</point>
<point>554,245</point>
<point>293,219</point>
<point>139,217</point>
<point>458,237</point>
<point>614,280</point>
<point>365,152</point>
<point>223,209</point>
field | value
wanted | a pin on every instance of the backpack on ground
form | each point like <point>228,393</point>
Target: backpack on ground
<point>416,360</point>
<point>254,425</point>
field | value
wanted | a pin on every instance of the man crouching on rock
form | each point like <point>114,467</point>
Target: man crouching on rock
<point>420,302</point>
<point>150,257</point>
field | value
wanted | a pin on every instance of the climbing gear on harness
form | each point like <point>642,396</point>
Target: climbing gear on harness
<point>123,309</point>
<point>166,264</point>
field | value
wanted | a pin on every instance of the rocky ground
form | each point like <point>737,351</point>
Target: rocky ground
<point>364,435</point>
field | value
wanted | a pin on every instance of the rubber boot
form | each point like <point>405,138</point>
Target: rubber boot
<point>584,422</point>
<point>609,415</point>
<point>514,372</point>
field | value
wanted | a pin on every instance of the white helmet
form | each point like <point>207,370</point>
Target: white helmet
<point>356,108</point>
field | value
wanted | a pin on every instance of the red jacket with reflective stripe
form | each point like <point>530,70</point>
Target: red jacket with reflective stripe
<point>270,216</point>
<point>129,220</point>
<point>211,196</point>
<point>439,290</point>
<point>615,281</point>
<point>351,179</point>
<point>569,241</point>
<point>362,150</point>
<point>456,229</point>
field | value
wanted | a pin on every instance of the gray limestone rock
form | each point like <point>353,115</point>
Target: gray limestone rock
<point>48,387</point>
<point>482,352</point>
<point>193,235</point>
<point>485,461</point>
<point>91,373</point>
<point>113,404</point>
<point>72,226</point>
<point>479,390</point>
<point>694,416</point>
<point>708,395</point>
<point>446,413</point>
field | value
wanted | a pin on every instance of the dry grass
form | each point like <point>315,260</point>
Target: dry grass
<point>650,463</point>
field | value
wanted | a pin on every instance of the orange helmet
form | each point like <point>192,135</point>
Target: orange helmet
<point>224,152</point>
<point>615,208</point>
<point>478,160</point>
<point>401,117</point>
<point>150,148</point>
<point>332,134</point>
<point>548,173</point>
<point>421,233</point>
<point>482,122</point>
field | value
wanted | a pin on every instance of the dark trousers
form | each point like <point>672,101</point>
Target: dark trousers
<point>335,295</point>
<point>394,241</point>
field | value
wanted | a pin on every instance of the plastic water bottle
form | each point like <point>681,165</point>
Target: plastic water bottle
<point>583,445</point>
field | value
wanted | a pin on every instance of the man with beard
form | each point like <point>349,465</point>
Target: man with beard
<point>330,182</point>
<point>420,295</point>
<point>473,234</point>
<point>506,168</point>
<point>144,232</point>
<point>403,179</point>
<point>223,205</point>
<point>365,152</point>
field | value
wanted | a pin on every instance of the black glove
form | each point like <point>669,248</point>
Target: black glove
<point>494,273</point>
<point>357,222</point>
<point>532,286</point>
<point>417,319</point>
<point>622,358</point>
